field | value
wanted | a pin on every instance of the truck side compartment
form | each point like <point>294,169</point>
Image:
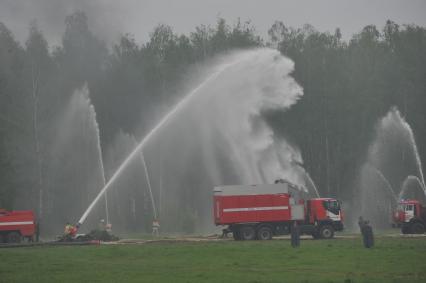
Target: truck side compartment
<point>16,225</point>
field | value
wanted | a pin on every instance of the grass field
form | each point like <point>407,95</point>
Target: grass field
<point>339,260</point>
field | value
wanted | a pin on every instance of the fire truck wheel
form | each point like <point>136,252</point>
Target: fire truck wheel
<point>1,239</point>
<point>13,237</point>
<point>264,233</point>
<point>326,232</point>
<point>247,233</point>
<point>236,235</point>
<point>405,230</point>
<point>418,228</point>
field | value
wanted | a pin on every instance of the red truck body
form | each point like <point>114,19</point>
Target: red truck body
<point>276,207</point>
<point>15,225</point>
<point>410,215</point>
<point>251,208</point>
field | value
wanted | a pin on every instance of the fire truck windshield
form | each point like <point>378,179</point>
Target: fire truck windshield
<point>405,207</point>
<point>332,205</point>
<point>409,207</point>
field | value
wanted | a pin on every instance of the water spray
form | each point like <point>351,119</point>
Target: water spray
<point>154,210</point>
<point>308,177</point>
<point>390,129</point>
<point>405,185</point>
<point>383,178</point>
<point>179,106</point>
<point>98,144</point>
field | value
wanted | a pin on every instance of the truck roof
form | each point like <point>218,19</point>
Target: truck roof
<point>408,201</point>
<point>15,212</point>
<point>280,188</point>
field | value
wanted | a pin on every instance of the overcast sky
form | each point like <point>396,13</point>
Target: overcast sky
<point>109,18</point>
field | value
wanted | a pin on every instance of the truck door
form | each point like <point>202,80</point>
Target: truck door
<point>332,209</point>
<point>409,212</point>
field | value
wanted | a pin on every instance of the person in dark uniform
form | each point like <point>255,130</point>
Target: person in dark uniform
<point>367,234</point>
<point>38,231</point>
<point>295,235</point>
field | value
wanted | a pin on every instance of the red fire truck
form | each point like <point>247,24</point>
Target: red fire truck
<point>261,211</point>
<point>410,215</point>
<point>16,225</point>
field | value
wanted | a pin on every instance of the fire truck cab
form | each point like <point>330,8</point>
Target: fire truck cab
<point>323,217</point>
<point>410,215</point>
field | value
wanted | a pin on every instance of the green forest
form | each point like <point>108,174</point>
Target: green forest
<point>348,86</point>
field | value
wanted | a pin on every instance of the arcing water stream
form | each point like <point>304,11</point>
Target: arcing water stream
<point>405,187</point>
<point>225,111</point>
<point>101,163</point>
<point>311,182</point>
<point>385,181</point>
<point>75,173</point>
<point>166,118</point>
<point>148,181</point>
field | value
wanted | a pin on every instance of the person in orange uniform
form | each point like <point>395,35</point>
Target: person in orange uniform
<point>70,231</point>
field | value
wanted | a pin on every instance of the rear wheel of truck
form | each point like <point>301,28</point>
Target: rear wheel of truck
<point>417,228</point>
<point>247,233</point>
<point>1,239</point>
<point>326,232</point>
<point>264,233</point>
<point>14,237</point>
<point>405,229</point>
<point>236,235</point>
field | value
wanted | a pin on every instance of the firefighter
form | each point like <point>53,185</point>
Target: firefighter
<point>67,228</point>
<point>70,231</point>
<point>367,234</point>
<point>295,235</point>
<point>37,238</point>
<point>155,227</point>
<point>73,231</point>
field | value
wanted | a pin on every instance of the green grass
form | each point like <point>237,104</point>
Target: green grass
<point>339,260</point>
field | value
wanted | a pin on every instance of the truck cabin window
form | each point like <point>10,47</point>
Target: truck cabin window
<point>409,207</point>
<point>332,205</point>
